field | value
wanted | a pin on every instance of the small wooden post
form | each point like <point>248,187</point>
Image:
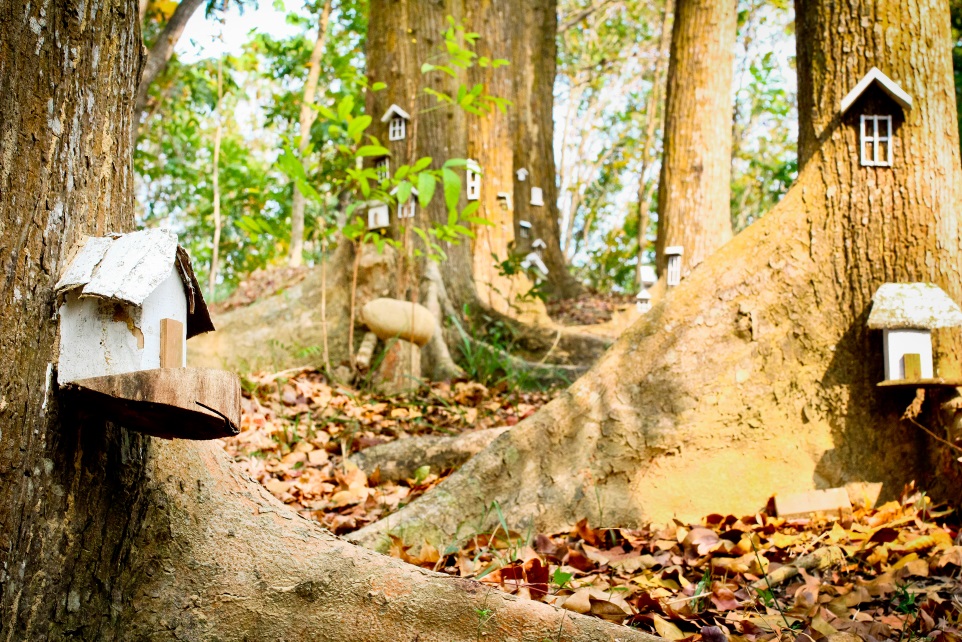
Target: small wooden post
<point>912,364</point>
<point>171,343</point>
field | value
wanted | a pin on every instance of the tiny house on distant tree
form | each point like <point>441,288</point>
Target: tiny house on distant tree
<point>907,313</point>
<point>127,305</point>
<point>473,174</point>
<point>397,120</point>
<point>880,104</point>
<point>378,215</point>
<point>673,258</point>
<point>409,208</point>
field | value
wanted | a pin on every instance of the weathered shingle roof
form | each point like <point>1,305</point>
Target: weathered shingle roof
<point>904,306</point>
<point>128,267</point>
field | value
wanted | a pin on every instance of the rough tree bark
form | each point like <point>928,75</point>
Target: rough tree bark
<point>695,187</point>
<point>757,375</point>
<point>106,534</point>
<point>163,48</point>
<point>296,254</point>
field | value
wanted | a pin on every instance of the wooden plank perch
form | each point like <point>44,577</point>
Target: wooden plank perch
<point>181,403</point>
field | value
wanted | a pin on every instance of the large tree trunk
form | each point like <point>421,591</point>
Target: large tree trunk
<point>757,375</point>
<point>407,34</point>
<point>694,211</point>
<point>106,534</point>
<point>296,254</point>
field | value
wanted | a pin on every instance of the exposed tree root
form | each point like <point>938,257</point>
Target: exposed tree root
<point>400,459</point>
<point>254,569</point>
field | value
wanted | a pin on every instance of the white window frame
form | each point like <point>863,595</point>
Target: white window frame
<point>874,130</point>
<point>473,176</point>
<point>407,209</point>
<point>397,128</point>
<point>673,272</point>
<point>383,167</point>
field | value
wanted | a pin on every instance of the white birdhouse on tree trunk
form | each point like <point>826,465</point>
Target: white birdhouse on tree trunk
<point>539,247</point>
<point>524,228</point>
<point>397,120</point>
<point>673,260</point>
<point>875,134</point>
<point>648,276</point>
<point>537,197</point>
<point>907,313</point>
<point>127,305</point>
<point>473,176</point>
<point>643,301</point>
<point>378,216</point>
<point>409,208</point>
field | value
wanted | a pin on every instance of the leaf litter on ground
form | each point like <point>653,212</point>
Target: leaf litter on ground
<point>887,573</point>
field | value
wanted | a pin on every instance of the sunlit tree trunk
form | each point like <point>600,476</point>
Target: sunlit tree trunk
<point>645,184</point>
<point>307,117</point>
<point>757,375</point>
<point>106,534</point>
<point>694,209</point>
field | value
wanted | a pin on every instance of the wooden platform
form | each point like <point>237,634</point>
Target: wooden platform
<point>172,403</point>
<point>922,383</point>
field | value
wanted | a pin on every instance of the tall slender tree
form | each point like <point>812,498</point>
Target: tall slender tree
<point>694,209</point>
<point>758,374</point>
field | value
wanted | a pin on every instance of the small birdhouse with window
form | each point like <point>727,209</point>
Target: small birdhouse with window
<point>383,168</point>
<point>673,260</point>
<point>647,276</point>
<point>875,109</point>
<point>537,197</point>
<point>524,229</point>
<point>378,216</point>
<point>539,247</point>
<point>473,180</point>
<point>127,305</point>
<point>643,301</point>
<point>397,120</point>
<point>504,199</point>
<point>906,313</point>
<point>522,174</point>
<point>408,208</point>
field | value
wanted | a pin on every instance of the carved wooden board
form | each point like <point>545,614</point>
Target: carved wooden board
<point>173,403</point>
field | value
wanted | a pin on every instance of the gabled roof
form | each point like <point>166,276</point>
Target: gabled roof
<point>643,295</point>
<point>888,85</point>
<point>906,306</point>
<point>414,190</point>
<point>127,268</point>
<point>539,243</point>
<point>394,110</point>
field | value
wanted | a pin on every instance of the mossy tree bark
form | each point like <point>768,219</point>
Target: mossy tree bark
<point>106,534</point>
<point>694,211</point>
<point>757,375</point>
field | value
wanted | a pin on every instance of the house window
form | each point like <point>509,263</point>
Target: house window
<point>408,209</point>
<point>474,180</point>
<point>875,135</point>
<point>383,167</point>
<point>397,129</point>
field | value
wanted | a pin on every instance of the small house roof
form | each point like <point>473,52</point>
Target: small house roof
<point>128,267</point>
<point>888,85</point>
<point>414,190</point>
<point>674,250</point>
<point>643,295</point>
<point>904,306</point>
<point>532,260</point>
<point>524,223</point>
<point>394,110</point>
<point>539,243</point>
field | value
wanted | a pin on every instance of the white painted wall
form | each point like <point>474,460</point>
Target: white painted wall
<point>95,339</point>
<point>898,343</point>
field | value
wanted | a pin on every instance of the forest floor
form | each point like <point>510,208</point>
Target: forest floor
<point>888,573</point>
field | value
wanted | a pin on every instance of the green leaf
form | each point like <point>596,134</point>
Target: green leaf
<point>426,184</point>
<point>421,163</point>
<point>470,209</point>
<point>378,86</point>
<point>371,150</point>
<point>404,191</point>
<point>452,188</point>
<point>456,162</point>
<point>356,129</point>
<point>345,107</point>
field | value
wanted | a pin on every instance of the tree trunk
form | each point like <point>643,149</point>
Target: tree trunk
<point>215,182</point>
<point>106,534</point>
<point>758,375</point>
<point>694,211</point>
<point>533,27</point>
<point>161,51</point>
<point>645,184</point>
<point>296,254</point>
<point>403,37</point>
